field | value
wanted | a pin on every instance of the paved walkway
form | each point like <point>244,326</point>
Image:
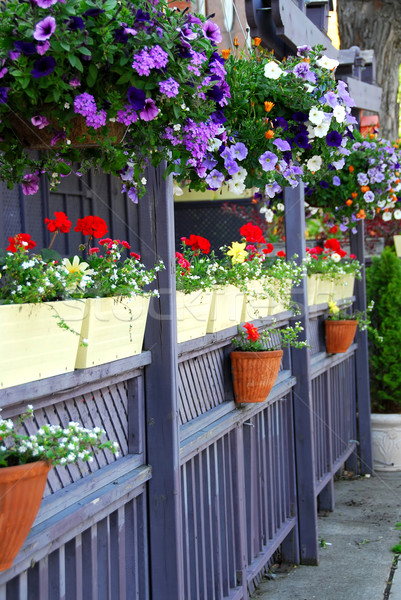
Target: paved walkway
<point>356,562</point>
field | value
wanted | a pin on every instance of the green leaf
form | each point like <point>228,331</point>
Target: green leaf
<point>63,168</point>
<point>124,78</point>
<point>65,46</point>
<point>109,5</point>
<point>75,62</point>
<point>48,255</point>
<point>92,75</point>
<point>85,51</point>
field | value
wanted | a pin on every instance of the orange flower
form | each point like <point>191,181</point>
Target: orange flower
<point>361,214</point>
<point>268,106</point>
<point>371,135</point>
<point>354,194</point>
<point>378,210</point>
<point>257,41</point>
<point>397,181</point>
<point>254,201</point>
<point>226,53</point>
<point>351,169</point>
<point>349,202</point>
<point>235,42</point>
<point>269,134</point>
<point>394,198</point>
<point>364,188</point>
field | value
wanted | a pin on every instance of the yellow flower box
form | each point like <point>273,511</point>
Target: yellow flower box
<point>192,314</point>
<point>226,308</point>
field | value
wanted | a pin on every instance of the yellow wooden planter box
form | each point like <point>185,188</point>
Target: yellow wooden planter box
<point>32,345</point>
<point>192,314</point>
<point>324,290</point>
<point>257,303</point>
<point>226,308</point>
<point>348,286</point>
<point>113,328</point>
<point>284,287</point>
<point>312,289</point>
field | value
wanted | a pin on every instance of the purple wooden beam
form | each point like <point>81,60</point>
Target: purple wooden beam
<point>362,361</point>
<point>301,368</point>
<point>156,232</point>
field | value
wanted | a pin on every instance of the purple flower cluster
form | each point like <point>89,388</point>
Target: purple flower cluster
<point>170,87</point>
<point>146,60</point>
<point>85,105</point>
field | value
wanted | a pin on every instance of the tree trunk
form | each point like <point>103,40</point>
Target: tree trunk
<point>376,24</point>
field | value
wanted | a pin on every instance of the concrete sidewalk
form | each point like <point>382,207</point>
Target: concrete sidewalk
<point>355,554</point>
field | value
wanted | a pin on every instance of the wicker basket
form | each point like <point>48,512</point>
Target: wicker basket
<point>40,139</point>
<point>339,335</point>
<point>254,374</point>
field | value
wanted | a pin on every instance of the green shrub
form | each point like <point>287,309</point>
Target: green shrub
<point>383,286</point>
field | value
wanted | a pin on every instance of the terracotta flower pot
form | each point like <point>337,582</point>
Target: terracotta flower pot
<point>339,335</point>
<point>254,374</point>
<point>21,491</point>
<point>40,139</point>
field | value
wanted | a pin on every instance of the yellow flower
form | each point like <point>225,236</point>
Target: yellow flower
<point>77,267</point>
<point>333,307</point>
<point>237,252</point>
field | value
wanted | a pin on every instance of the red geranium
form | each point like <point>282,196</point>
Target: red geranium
<point>92,225</point>
<point>197,243</point>
<point>253,333</point>
<point>281,254</point>
<point>332,244</point>
<point>269,248</point>
<point>252,233</point>
<point>21,240</point>
<point>352,256</point>
<point>60,223</point>
<point>333,229</point>
<point>135,255</point>
<point>182,261</point>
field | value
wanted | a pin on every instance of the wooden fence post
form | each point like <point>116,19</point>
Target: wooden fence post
<point>362,361</point>
<point>156,233</point>
<point>302,392</point>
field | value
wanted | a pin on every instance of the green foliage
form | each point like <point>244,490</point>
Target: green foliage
<point>383,287</point>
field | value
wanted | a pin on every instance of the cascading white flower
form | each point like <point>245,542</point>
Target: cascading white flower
<point>272,70</point>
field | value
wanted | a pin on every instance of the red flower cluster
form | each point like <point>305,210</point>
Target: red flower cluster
<point>281,254</point>
<point>60,223</point>
<point>92,225</point>
<point>197,243</point>
<point>269,248</point>
<point>335,246</point>
<point>253,333</point>
<point>21,240</point>
<point>252,234</point>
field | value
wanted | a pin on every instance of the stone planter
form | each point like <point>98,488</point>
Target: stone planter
<point>386,442</point>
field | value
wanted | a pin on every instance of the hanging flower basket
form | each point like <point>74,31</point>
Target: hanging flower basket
<point>254,374</point>
<point>339,335</point>
<point>21,491</point>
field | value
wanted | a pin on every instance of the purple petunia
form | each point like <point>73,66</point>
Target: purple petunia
<point>26,48</point>
<point>323,184</point>
<point>303,50</point>
<point>30,184</point>
<point>45,29</point>
<point>272,189</point>
<point>239,151</point>
<point>281,122</point>
<point>215,179</point>
<point>44,66</point>
<point>362,179</point>
<point>336,180</point>
<point>334,139</point>
<point>75,23</point>
<point>218,117</point>
<point>331,99</point>
<point>302,141</point>
<point>369,196</point>
<point>282,145</point>
<point>45,3</point>
<point>39,121</point>
<point>268,160</point>
<point>302,71</point>
<point>211,31</point>
<point>136,98</point>
<point>42,47</point>
<point>3,95</point>
<point>150,110</point>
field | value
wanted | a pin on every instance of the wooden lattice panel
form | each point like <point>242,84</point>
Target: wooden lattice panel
<point>200,384</point>
<point>105,408</point>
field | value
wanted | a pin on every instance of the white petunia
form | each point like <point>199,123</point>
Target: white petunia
<point>327,63</point>
<point>386,216</point>
<point>314,163</point>
<point>336,257</point>
<point>239,175</point>
<point>397,214</point>
<point>177,191</point>
<point>272,70</point>
<point>236,187</point>
<point>339,114</point>
<point>322,129</point>
<point>316,116</point>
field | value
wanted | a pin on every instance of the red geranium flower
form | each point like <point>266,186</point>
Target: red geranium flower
<point>182,261</point>
<point>352,256</point>
<point>92,225</point>
<point>60,223</point>
<point>135,255</point>
<point>269,248</point>
<point>21,240</point>
<point>281,254</point>
<point>252,233</point>
<point>253,333</point>
<point>333,229</point>
<point>197,243</point>
<point>332,244</point>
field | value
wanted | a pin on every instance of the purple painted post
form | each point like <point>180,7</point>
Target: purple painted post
<point>302,391</point>
<point>362,362</point>
<point>156,231</point>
